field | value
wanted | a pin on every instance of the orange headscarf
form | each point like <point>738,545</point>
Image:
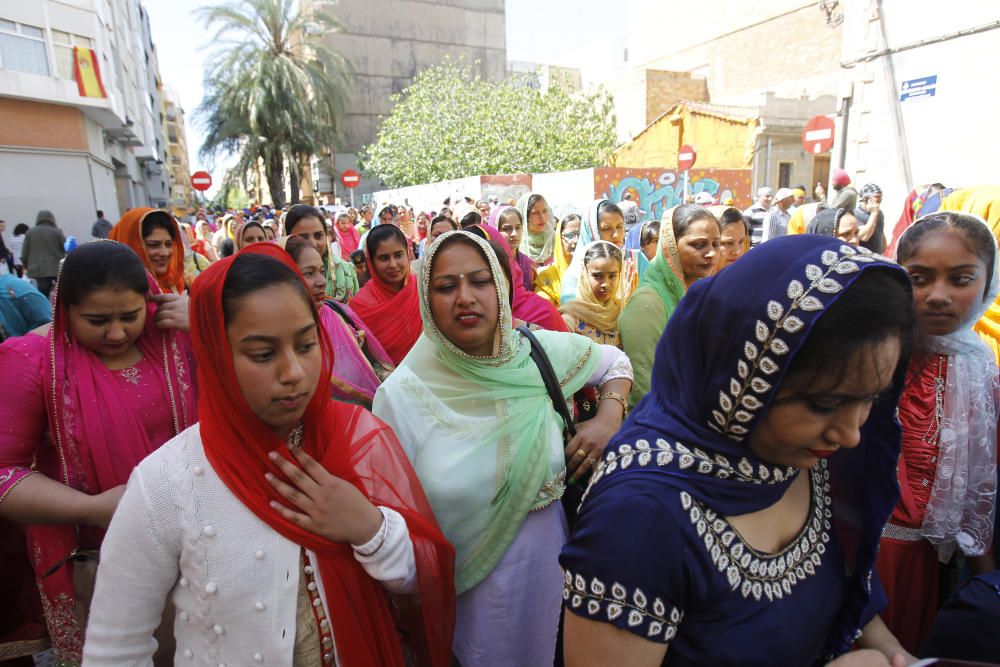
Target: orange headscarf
<point>129,231</point>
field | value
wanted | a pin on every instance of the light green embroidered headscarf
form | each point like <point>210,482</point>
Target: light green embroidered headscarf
<point>538,246</point>
<point>483,437</point>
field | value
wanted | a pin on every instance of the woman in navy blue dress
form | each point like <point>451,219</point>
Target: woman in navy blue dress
<point>734,519</point>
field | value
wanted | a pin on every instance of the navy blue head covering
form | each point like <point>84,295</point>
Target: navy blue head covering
<point>718,365</point>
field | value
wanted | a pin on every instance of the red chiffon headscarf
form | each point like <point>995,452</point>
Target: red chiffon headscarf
<point>352,444</point>
<point>394,317</point>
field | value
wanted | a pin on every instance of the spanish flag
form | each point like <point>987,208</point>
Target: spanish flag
<point>88,76</point>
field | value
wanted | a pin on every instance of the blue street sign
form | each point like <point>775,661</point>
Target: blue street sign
<point>917,88</point>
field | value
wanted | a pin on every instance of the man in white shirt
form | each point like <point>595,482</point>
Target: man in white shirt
<point>776,222</point>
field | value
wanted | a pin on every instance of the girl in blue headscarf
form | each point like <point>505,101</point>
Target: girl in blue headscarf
<point>735,517</point>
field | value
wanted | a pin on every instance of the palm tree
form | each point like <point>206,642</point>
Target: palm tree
<point>274,92</point>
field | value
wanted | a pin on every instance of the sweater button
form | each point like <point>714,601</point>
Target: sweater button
<point>208,531</point>
<point>218,629</point>
<point>308,569</point>
<point>188,653</point>
<point>211,587</point>
<point>184,616</point>
<point>259,606</point>
<point>259,554</point>
<point>257,657</point>
<point>311,586</point>
<point>183,581</point>
<point>198,471</point>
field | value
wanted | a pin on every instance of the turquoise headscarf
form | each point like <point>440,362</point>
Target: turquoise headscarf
<point>486,441</point>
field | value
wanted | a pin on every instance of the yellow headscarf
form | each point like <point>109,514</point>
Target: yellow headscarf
<point>548,280</point>
<point>586,308</point>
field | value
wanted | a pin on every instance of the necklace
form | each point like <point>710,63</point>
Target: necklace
<point>294,439</point>
<point>131,374</point>
<point>934,430</point>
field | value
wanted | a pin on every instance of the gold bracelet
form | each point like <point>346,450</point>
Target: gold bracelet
<point>615,396</point>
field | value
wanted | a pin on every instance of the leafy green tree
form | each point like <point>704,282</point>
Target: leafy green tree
<point>274,91</point>
<point>450,123</point>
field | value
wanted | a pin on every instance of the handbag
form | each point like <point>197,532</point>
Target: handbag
<point>584,408</point>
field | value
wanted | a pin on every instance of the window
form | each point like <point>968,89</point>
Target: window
<point>784,174</point>
<point>62,45</point>
<point>22,48</point>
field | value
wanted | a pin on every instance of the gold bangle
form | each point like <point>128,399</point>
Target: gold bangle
<point>615,396</point>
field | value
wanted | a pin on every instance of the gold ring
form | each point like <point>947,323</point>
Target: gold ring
<point>581,452</point>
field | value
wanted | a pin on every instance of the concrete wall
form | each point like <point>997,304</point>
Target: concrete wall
<point>70,184</point>
<point>389,41</point>
<point>782,46</point>
<point>949,137</point>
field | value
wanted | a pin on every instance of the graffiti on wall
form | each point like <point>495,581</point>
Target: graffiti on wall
<point>656,190</point>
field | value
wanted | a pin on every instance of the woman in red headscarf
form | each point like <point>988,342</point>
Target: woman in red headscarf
<point>388,303</point>
<point>281,523</point>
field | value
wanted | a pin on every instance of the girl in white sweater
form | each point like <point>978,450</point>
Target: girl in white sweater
<point>279,525</point>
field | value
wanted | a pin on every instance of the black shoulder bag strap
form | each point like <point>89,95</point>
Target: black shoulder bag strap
<point>339,309</point>
<point>549,378</point>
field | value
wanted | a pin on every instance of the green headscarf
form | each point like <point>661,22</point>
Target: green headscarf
<point>665,274</point>
<point>485,421</point>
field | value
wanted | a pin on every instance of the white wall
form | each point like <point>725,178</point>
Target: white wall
<point>566,187</point>
<point>57,181</point>
<point>950,137</point>
<point>425,197</point>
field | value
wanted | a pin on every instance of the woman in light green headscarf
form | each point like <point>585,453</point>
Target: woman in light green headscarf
<point>469,407</point>
<point>538,241</point>
<point>689,243</point>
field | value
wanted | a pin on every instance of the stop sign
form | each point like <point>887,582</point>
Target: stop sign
<point>817,136</point>
<point>350,178</point>
<point>686,157</point>
<point>201,180</point>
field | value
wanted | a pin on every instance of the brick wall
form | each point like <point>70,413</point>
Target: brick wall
<point>39,125</point>
<point>665,89</point>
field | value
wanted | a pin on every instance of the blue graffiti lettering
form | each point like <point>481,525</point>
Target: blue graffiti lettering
<point>655,200</point>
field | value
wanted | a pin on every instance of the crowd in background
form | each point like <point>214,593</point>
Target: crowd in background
<point>506,433</point>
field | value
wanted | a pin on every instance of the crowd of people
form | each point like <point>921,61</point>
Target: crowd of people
<point>506,434</point>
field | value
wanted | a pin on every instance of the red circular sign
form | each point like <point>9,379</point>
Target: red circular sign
<point>201,180</point>
<point>817,136</point>
<point>686,157</point>
<point>350,178</point>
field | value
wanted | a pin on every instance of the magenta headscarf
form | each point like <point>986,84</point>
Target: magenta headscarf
<point>353,379</point>
<point>528,306</point>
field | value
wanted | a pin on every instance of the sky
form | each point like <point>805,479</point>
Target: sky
<point>559,32</point>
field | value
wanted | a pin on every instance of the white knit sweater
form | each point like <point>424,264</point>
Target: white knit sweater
<point>179,531</point>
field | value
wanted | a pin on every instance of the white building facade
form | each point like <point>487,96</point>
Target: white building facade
<point>65,152</point>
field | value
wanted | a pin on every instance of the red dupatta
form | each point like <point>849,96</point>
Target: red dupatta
<point>394,317</point>
<point>352,444</point>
